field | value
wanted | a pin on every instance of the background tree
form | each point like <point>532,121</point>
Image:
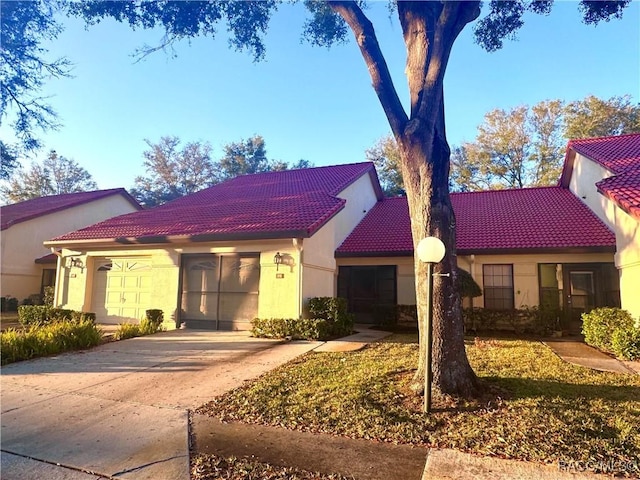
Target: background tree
<point>54,176</point>
<point>245,157</point>
<point>525,146</point>
<point>386,157</point>
<point>8,161</point>
<point>24,25</point>
<point>593,117</point>
<point>173,172</point>
<point>430,30</point>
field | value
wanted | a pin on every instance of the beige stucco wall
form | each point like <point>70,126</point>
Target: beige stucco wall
<point>22,242</point>
<point>278,288</point>
<point>586,173</point>
<point>525,272</point>
<point>319,269</point>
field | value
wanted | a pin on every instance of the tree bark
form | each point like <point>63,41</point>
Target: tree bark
<point>429,30</point>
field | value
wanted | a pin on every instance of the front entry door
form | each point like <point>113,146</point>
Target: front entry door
<point>581,297</point>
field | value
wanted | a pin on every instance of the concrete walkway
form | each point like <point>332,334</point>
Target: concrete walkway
<point>579,353</point>
<point>120,410</point>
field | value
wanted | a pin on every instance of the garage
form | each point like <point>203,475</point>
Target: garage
<point>121,289</point>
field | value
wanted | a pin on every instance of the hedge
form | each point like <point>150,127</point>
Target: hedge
<point>612,330</point>
<point>39,340</point>
<point>42,314</point>
<point>334,311</point>
<point>295,328</point>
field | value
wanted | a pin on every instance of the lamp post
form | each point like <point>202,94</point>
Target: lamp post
<point>430,250</point>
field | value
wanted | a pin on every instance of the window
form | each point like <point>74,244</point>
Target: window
<point>48,279</point>
<point>498,286</point>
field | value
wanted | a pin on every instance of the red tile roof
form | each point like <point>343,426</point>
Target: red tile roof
<point>616,153</point>
<point>37,207</point>
<point>527,220</point>
<point>621,156</point>
<point>292,203</point>
<point>624,190</point>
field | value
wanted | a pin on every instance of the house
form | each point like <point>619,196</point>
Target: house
<point>260,245</point>
<point>256,245</point>
<point>604,173</point>
<point>27,266</point>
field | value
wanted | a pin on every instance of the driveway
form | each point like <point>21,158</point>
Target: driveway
<point>121,410</point>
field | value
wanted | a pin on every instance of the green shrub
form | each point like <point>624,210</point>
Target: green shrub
<point>127,330</point>
<point>149,327</point>
<point>625,343</point>
<point>302,328</point>
<point>465,284</point>
<point>599,325</point>
<point>155,315</point>
<point>47,297</point>
<point>33,314</point>
<point>525,320</point>
<point>40,340</point>
<point>41,314</point>
<point>334,311</point>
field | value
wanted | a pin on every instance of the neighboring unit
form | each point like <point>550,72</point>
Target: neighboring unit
<point>27,266</point>
<point>604,173</point>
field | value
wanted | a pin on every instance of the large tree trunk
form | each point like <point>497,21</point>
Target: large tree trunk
<point>429,30</point>
<point>426,173</point>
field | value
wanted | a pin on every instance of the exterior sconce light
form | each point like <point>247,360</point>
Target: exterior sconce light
<point>278,259</point>
<point>430,250</point>
<point>77,262</point>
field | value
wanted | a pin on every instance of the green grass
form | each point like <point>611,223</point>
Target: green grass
<point>539,408</point>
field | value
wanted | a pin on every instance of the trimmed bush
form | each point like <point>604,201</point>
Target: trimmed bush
<point>302,328</point>
<point>33,314</point>
<point>40,340</point>
<point>525,320</point>
<point>41,314</point>
<point>599,325</point>
<point>155,315</point>
<point>625,343</point>
<point>334,311</point>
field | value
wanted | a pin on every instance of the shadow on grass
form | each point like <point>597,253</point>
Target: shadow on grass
<point>519,388</point>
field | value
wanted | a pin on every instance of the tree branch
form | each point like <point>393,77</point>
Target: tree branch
<point>446,27</point>
<point>370,49</point>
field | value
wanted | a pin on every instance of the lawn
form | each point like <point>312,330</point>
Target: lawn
<point>538,408</point>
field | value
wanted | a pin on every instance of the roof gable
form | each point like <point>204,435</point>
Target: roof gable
<point>38,207</point>
<point>290,203</point>
<point>620,155</point>
<point>531,219</point>
<point>615,153</point>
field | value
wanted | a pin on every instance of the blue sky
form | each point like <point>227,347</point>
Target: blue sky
<point>309,102</point>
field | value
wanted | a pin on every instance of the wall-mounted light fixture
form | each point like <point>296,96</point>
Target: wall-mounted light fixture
<point>76,262</point>
<point>278,259</point>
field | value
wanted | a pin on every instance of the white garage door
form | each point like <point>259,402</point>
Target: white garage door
<point>121,289</point>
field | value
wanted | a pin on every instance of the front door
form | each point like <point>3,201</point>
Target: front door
<point>588,286</point>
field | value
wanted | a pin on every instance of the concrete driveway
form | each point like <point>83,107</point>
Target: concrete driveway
<point>121,410</point>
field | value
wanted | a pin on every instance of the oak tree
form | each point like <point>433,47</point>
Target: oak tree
<point>54,176</point>
<point>172,172</point>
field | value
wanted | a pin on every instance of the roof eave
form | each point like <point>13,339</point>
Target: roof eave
<point>486,251</point>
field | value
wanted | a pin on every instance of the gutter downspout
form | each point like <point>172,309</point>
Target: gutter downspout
<point>58,268</point>
<point>472,262</point>
<point>297,244</point>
